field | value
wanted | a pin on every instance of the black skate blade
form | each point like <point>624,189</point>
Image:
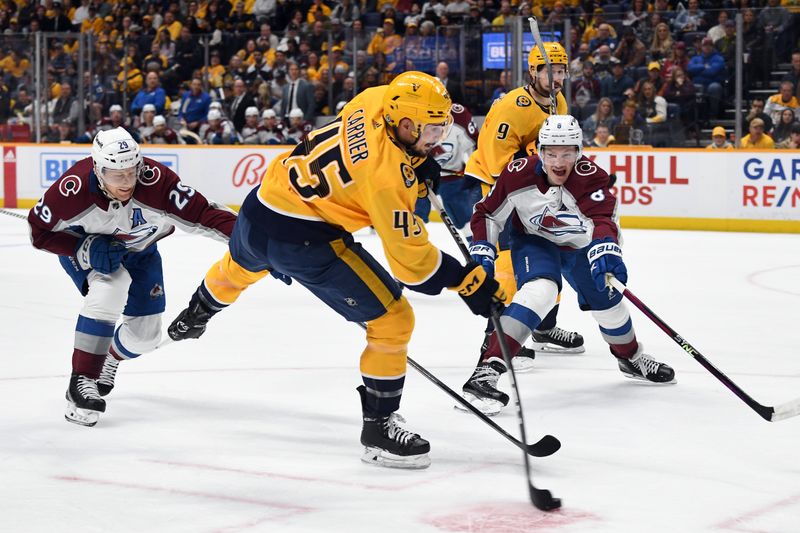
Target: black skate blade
<point>546,446</point>
<point>543,499</point>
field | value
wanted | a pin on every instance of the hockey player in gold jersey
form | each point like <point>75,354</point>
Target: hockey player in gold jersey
<point>359,170</point>
<point>512,124</point>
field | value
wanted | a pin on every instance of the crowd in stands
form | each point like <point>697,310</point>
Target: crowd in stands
<point>262,71</point>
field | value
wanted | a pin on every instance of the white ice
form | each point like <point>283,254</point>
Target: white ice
<point>255,427</point>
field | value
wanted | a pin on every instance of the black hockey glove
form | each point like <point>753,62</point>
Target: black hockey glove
<point>428,173</point>
<point>480,292</point>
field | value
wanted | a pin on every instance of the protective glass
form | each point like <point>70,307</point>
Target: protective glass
<point>120,177</point>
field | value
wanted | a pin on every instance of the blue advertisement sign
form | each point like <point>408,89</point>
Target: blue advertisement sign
<point>495,44</point>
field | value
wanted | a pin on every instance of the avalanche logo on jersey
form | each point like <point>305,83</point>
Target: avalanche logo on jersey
<point>134,237</point>
<point>562,223</point>
<point>137,218</point>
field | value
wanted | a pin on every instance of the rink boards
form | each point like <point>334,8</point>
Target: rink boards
<point>657,188</point>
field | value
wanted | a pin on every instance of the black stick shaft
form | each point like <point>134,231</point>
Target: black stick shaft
<point>541,498</point>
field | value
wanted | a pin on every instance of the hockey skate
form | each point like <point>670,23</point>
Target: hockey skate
<point>105,383</point>
<point>556,341</point>
<point>523,361</point>
<point>643,367</point>
<point>481,391</point>
<point>191,323</point>
<point>387,444</point>
<point>84,403</point>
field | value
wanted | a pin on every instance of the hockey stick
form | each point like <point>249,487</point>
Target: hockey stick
<point>12,214</point>
<point>547,445</point>
<point>768,413</point>
<point>541,498</point>
<point>537,39</point>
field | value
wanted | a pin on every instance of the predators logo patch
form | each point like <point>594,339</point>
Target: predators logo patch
<point>523,101</point>
<point>409,176</point>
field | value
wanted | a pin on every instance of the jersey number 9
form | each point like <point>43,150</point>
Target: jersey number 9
<point>502,131</point>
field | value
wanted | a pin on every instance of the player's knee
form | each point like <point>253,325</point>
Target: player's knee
<point>539,294</point>
<point>613,317</point>
<point>137,335</point>
<point>393,328</point>
<point>107,295</point>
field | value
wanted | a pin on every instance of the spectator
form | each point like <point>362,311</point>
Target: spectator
<point>630,51</point>
<point>681,91</point>
<point>678,59</point>
<point>785,99</point>
<point>264,10</point>
<point>604,114</point>
<point>718,32</point>
<point>653,76</point>
<point>707,70</point>
<point>792,142</point>
<point>691,19</point>
<point>726,44</point>
<point>636,17</point>
<point>503,15</point>
<point>194,105</point>
<point>457,8</point>
<point>218,130</point>
<point>347,92</point>
<point>618,86</point>
<point>602,62</point>
<point>757,54</point>
<point>794,73</point>
<point>603,38</point>
<point>16,65</point>
<point>297,94</point>
<point>146,121</point>
<point>757,111</point>
<point>65,107</point>
<point>757,138</point>
<point>628,128</point>
<point>259,68</point>
<point>58,22</point>
<point>241,102</point>
<point>297,128</point>
<point>586,88</point>
<point>652,106</point>
<point>386,41</point>
<point>215,72</point>
<point>63,133</point>
<point>661,45</point>
<point>187,53</point>
<point>783,127</point>
<point>719,140</point>
<point>775,20</point>
<point>602,137</point>
<point>593,29</point>
<point>580,57</point>
<point>251,128</point>
<point>347,12</point>
<point>502,89</point>
<point>272,132</point>
<point>451,84</point>
<point>150,94</point>
<point>22,107</point>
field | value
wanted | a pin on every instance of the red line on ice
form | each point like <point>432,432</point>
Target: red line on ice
<point>738,523</point>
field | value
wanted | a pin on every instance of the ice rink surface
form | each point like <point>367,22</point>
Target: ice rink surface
<point>255,427</point>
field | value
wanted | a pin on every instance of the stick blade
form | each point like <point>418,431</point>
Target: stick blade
<point>786,410</point>
<point>546,446</point>
<point>543,499</point>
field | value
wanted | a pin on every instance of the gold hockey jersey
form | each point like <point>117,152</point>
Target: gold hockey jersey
<point>351,174</point>
<point>512,123</point>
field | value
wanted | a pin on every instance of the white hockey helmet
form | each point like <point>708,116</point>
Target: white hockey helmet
<point>296,113</point>
<point>561,130</point>
<point>214,114</point>
<point>251,111</point>
<point>268,113</point>
<point>115,149</point>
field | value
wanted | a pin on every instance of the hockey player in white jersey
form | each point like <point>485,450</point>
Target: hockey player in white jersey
<point>103,218</point>
<point>564,223</point>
